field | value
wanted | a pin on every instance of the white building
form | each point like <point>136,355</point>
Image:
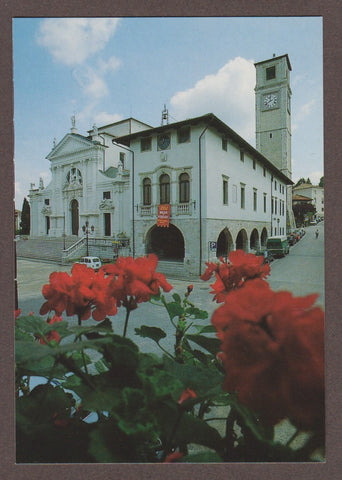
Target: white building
<point>316,195</point>
<point>90,183</point>
<point>222,193</point>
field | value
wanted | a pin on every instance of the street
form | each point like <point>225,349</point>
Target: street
<point>301,272</point>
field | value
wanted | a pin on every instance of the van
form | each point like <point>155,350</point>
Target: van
<point>278,246</point>
<point>91,262</point>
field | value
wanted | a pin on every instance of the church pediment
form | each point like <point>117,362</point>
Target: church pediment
<point>70,144</point>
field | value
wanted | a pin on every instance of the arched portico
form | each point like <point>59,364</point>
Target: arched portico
<point>264,236</point>
<point>242,241</point>
<point>167,243</point>
<point>225,244</point>
<point>254,240</point>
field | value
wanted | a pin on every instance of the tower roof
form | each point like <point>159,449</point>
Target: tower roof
<point>276,58</point>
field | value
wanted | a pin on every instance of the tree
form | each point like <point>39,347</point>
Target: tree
<point>300,210</point>
<point>300,181</point>
<point>308,181</point>
<point>321,182</point>
<point>25,218</point>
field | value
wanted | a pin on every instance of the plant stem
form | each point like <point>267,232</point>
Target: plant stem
<point>128,311</point>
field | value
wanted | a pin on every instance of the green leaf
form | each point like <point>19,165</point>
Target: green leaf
<point>252,421</point>
<point>212,345</point>
<point>203,380</point>
<point>195,312</point>
<point>177,298</point>
<point>174,309</point>
<point>28,351</point>
<point>205,329</point>
<point>154,333</point>
<point>190,429</point>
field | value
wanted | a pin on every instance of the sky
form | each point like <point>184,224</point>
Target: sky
<point>103,70</point>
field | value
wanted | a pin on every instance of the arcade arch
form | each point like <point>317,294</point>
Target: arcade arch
<point>166,243</point>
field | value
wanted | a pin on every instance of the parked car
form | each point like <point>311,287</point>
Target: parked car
<point>292,240</point>
<point>268,257</point>
<point>91,262</point>
<point>278,246</point>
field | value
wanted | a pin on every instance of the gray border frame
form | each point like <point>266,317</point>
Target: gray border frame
<point>331,11</point>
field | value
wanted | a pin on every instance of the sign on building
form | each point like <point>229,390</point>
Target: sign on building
<point>163,219</point>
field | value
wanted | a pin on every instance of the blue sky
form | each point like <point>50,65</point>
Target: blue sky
<point>106,69</point>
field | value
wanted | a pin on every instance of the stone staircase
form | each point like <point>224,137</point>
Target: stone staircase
<point>43,248</point>
<point>172,269</point>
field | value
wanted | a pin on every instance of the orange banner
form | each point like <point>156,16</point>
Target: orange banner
<point>163,219</point>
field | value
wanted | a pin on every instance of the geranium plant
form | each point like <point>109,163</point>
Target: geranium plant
<point>217,396</point>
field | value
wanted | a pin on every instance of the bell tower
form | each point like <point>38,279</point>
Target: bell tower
<point>273,111</point>
<point>273,117</point>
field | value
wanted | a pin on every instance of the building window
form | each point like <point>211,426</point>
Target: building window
<point>122,159</point>
<point>264,172</point>
<point>47,201</point>
<point>254,164</point>
<point>147,200</point>
<point>272,206</point>
<point>146,144</point>
<point>106,195</point>
<point>242,155</point>
<point>270,73</point>
<point>265,202</point>
<point>74,176</point>
<point>242,192</point>
<point>275,206</point>
<point>184,188</point>
<point>271,135</point>
<point>183,135</point>
<point>254,199</point>
<point>275,184</point>
<point>224,144</point>
<point>164,188</point>
<point>225,191</point>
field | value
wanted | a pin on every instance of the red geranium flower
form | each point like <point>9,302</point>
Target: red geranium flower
<point>188,393</point>
<point>79,294</point>
<point>273,353</point>
<point>135,280</point>
<point>232,274</point>
<point>173,457</point>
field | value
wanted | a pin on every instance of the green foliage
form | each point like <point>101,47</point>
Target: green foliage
<point>134,398</point>
<point>25,218</point>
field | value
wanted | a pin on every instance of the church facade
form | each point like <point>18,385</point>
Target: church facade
<point>188,191</point>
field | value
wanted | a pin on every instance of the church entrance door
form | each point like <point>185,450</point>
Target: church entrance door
<point>74,217</point>
<point>107,225</point>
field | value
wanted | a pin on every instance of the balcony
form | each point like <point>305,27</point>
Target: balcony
<point>177,209</point>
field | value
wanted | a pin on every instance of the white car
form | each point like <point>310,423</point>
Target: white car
<point>91,262</point>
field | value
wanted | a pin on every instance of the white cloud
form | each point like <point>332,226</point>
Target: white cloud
<point>229,94</point>
<point>303,112</point>
<point>72,40</point>
<point>104,118</point>
<point>91,82</point>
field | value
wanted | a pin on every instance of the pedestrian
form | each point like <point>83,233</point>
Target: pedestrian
<point>316,233</point>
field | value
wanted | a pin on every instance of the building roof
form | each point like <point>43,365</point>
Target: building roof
<point>301,198</point>
<point>102,127</point>
<point>276,58</point>
<point>212,121</point>
<point>306,186</point>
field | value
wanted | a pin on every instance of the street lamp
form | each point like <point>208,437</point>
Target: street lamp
<point>86,231</point>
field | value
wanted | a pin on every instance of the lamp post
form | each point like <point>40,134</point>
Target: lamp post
<point>86,231</point>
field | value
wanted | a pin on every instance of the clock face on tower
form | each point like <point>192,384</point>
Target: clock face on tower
<point>270,100</point>
<point>164,141</point>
